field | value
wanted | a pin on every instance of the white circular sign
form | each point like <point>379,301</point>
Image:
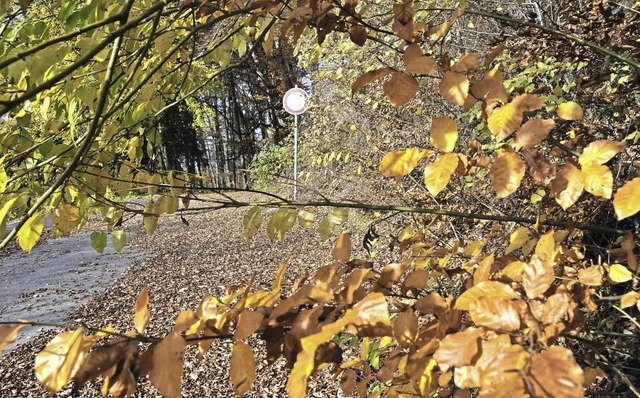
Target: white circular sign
<point>295,101</point>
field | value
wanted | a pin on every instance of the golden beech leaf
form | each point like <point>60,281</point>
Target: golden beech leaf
<point>629,299</point>
<point>401,88</point>
<point>368,78</point>
<point>277,283</point>
<point>252,221</point>
<point>243,368</point>
<point>444,28</point>
<point>528,102</point>
<point>555,373</point>
<point>417,63</point>
<point>430,304</point>
<point>405,328</point>
<point>454,87</point>
<point>491,87</point>
<point>467,62</point>
<point>30,232</point>
<point>506,173</point>
<point>504,120</point>
<point>306,218</point>
<point>166,365</point>
<point>626,201</point>
<point>444,133</point>
<point>495,51</point>
<point>8,335</point>
<point>248,322</point>
<point>418,279</point>
<point>495,314</point>
<point>618,273</point>
<point>458,349</point>
<point>540,168</point>
<point>354,281</point>
<point>342,250</point>
<point>114,362</point>
<point>142,315</point>
<point>438,173</point>
<point>567,187</point>
<point>537,277</point>
<point>400,163</point>
<point>61,359</point>
<point>533,132</point>
<point>489,289</point>
<point>597,180</point>
<point>591,276</point>
<point>600,152</point>
<point>570,111</point>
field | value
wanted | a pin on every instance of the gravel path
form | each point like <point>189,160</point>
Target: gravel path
<point>186,262</point>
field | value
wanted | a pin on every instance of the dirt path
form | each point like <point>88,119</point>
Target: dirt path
<point>185,263</point>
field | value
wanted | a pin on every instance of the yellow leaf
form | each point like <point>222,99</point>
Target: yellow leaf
<point>626,201</point>
<point>65,217</point>
<point>495,314</point>
<point>467,62</point>
<point>474,248</point>
<point>132,149</point>
<point>30,232</point>
<point>629,299</point>
<point>277,283</point>
<point>488,289</point>
<point>454,87</point>
<point>504,120</point>
<point>506,173</point>
<point>438,173</point>
<point>600,152</point>
<point>142,315</point>
<point>166,365</point>
<point>533,132</point>
<point>252,221</point>
<point>567,187</point>
<point>305,218</point>
<point>59,361</point>
<point>518,238</point>
<point>618,273</point>
<point>444,133</point>
<point>3,177</point>
<point>8,335</point>
<point>400,163</point>
<point>401,88</point>
<point>597,180</point>
<point>243,368</point>
<point>570,111</point>
<point>555,373</point>
<point>458,349</point>
<point>342,250</point>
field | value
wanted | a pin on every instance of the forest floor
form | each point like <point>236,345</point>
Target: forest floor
<point>182,264</point>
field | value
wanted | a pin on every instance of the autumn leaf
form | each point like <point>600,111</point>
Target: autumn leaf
<point>528,102</point>
<point>98,241</point>
<point>306,218</point>
<point>597,180</point>
<point>503,121</point>
<point>570,111</point>
<point>401,88</point>
<point>368,78</point>
<point>491,55</point>
<point>444,133</point>
<point>342,250</point>
<point>533,132</point>
<point>488,289</point>
<point>243,368</point>
<point>629,299</point>
<point>454,87</point>
<point>591,276</point>
<point>506,173</point>
<point>65,217</point>
<point>142,315</point>
<point>438,173</point>
<point>416,62</point>
<point>358,35</point>
<point>166,365</point>
<point>626,201</point>
<point>491,87</point>
<point>618,273</point>
<point>555,373</point>
<point>252,221</point>
<point>467,62</point>
<point>400,163</point>
<point>458,349</point>
<point>248,322</point>
<point>8,335</point>
<point>30,232</point>
<point>540,168</point>
<point>537,277</point>
<point>405,328</point>
<point>495,314</point>
<point>600,152</point>
<point>277,283</point>
<point>567,187</point>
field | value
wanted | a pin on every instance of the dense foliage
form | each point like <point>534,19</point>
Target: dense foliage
<point>100,100</point>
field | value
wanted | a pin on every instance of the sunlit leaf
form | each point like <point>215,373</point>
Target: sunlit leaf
<point>252,221</point>
<point>65,217</point>
<point>277,283</point>
<point>8,335</point>
<point>306,218</point>
<point>626,201</point>
<point>597,180</point>
<point>467,62</point>
<point>342,249</point>
<point>591,276</point>
<point>98,241</point>
<point>600,152</point>
<point>528,102</point>
<point>503,121</point>
<point>30,232</point>
<point>119,239</point>
<point>142,315</point>
<point>458,349</point>
<point>243,368</point>
<point>570,111</point>
<point>629,299</point>
<point>166,365</point>
<point>405,328</point>
<point>444,133</point>
<point>537,277</point>
<point>454,87</point>
<point>488,289</point>
<point>401,88</point>
<point>491,88</point>
<point>506,173</point>
<point>495,314</point>
<point>567,187</point>
<point>400,163</point>
<point>438,174</point>
<point>618,273</point>
<point>533,132</point>
<point>555,373</point>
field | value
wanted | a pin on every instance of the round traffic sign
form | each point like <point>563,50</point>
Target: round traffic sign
<point>295,101</point>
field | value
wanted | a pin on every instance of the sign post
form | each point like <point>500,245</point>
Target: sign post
<point>295,102</point>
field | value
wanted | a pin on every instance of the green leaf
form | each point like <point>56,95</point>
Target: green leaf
<point>150,223</point>
<point>252,221</point>
<point>30,232</point>
<point>326,228</point>
<point>98,241</point>
<point>338,215</point>
<point>119,239</point>
<point>66,10</point>
<point>3,179</point>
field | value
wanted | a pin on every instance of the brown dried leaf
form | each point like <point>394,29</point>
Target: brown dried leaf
<point>342,250</point>
<point>401,88</point>
<point>528,102</point>
<point>495,51</point>
<point>506,173</point>
<point>567,187</point>
<point>537,277</point>
<point>591,276</point>
<point>417,63</point>
<point>358,35</point>
<point>533,132</point>
<point>467,62</point>
<point>430,304</point>
<point>166,365</point>
<point>495,314</point>
<point>458,349</point>
<point>454,87</point>
<point>540,168</point>
<point>418,279</point>
<point>555,373</point>
<point>248,322</point>
<point>491,88</point>
<point>368,78</point>
<point>242,370</point>
<point>354,281</point>
<point>405,328</point>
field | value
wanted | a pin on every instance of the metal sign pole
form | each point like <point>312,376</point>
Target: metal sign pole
<point>295,157</point>
<point>295,103</point>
